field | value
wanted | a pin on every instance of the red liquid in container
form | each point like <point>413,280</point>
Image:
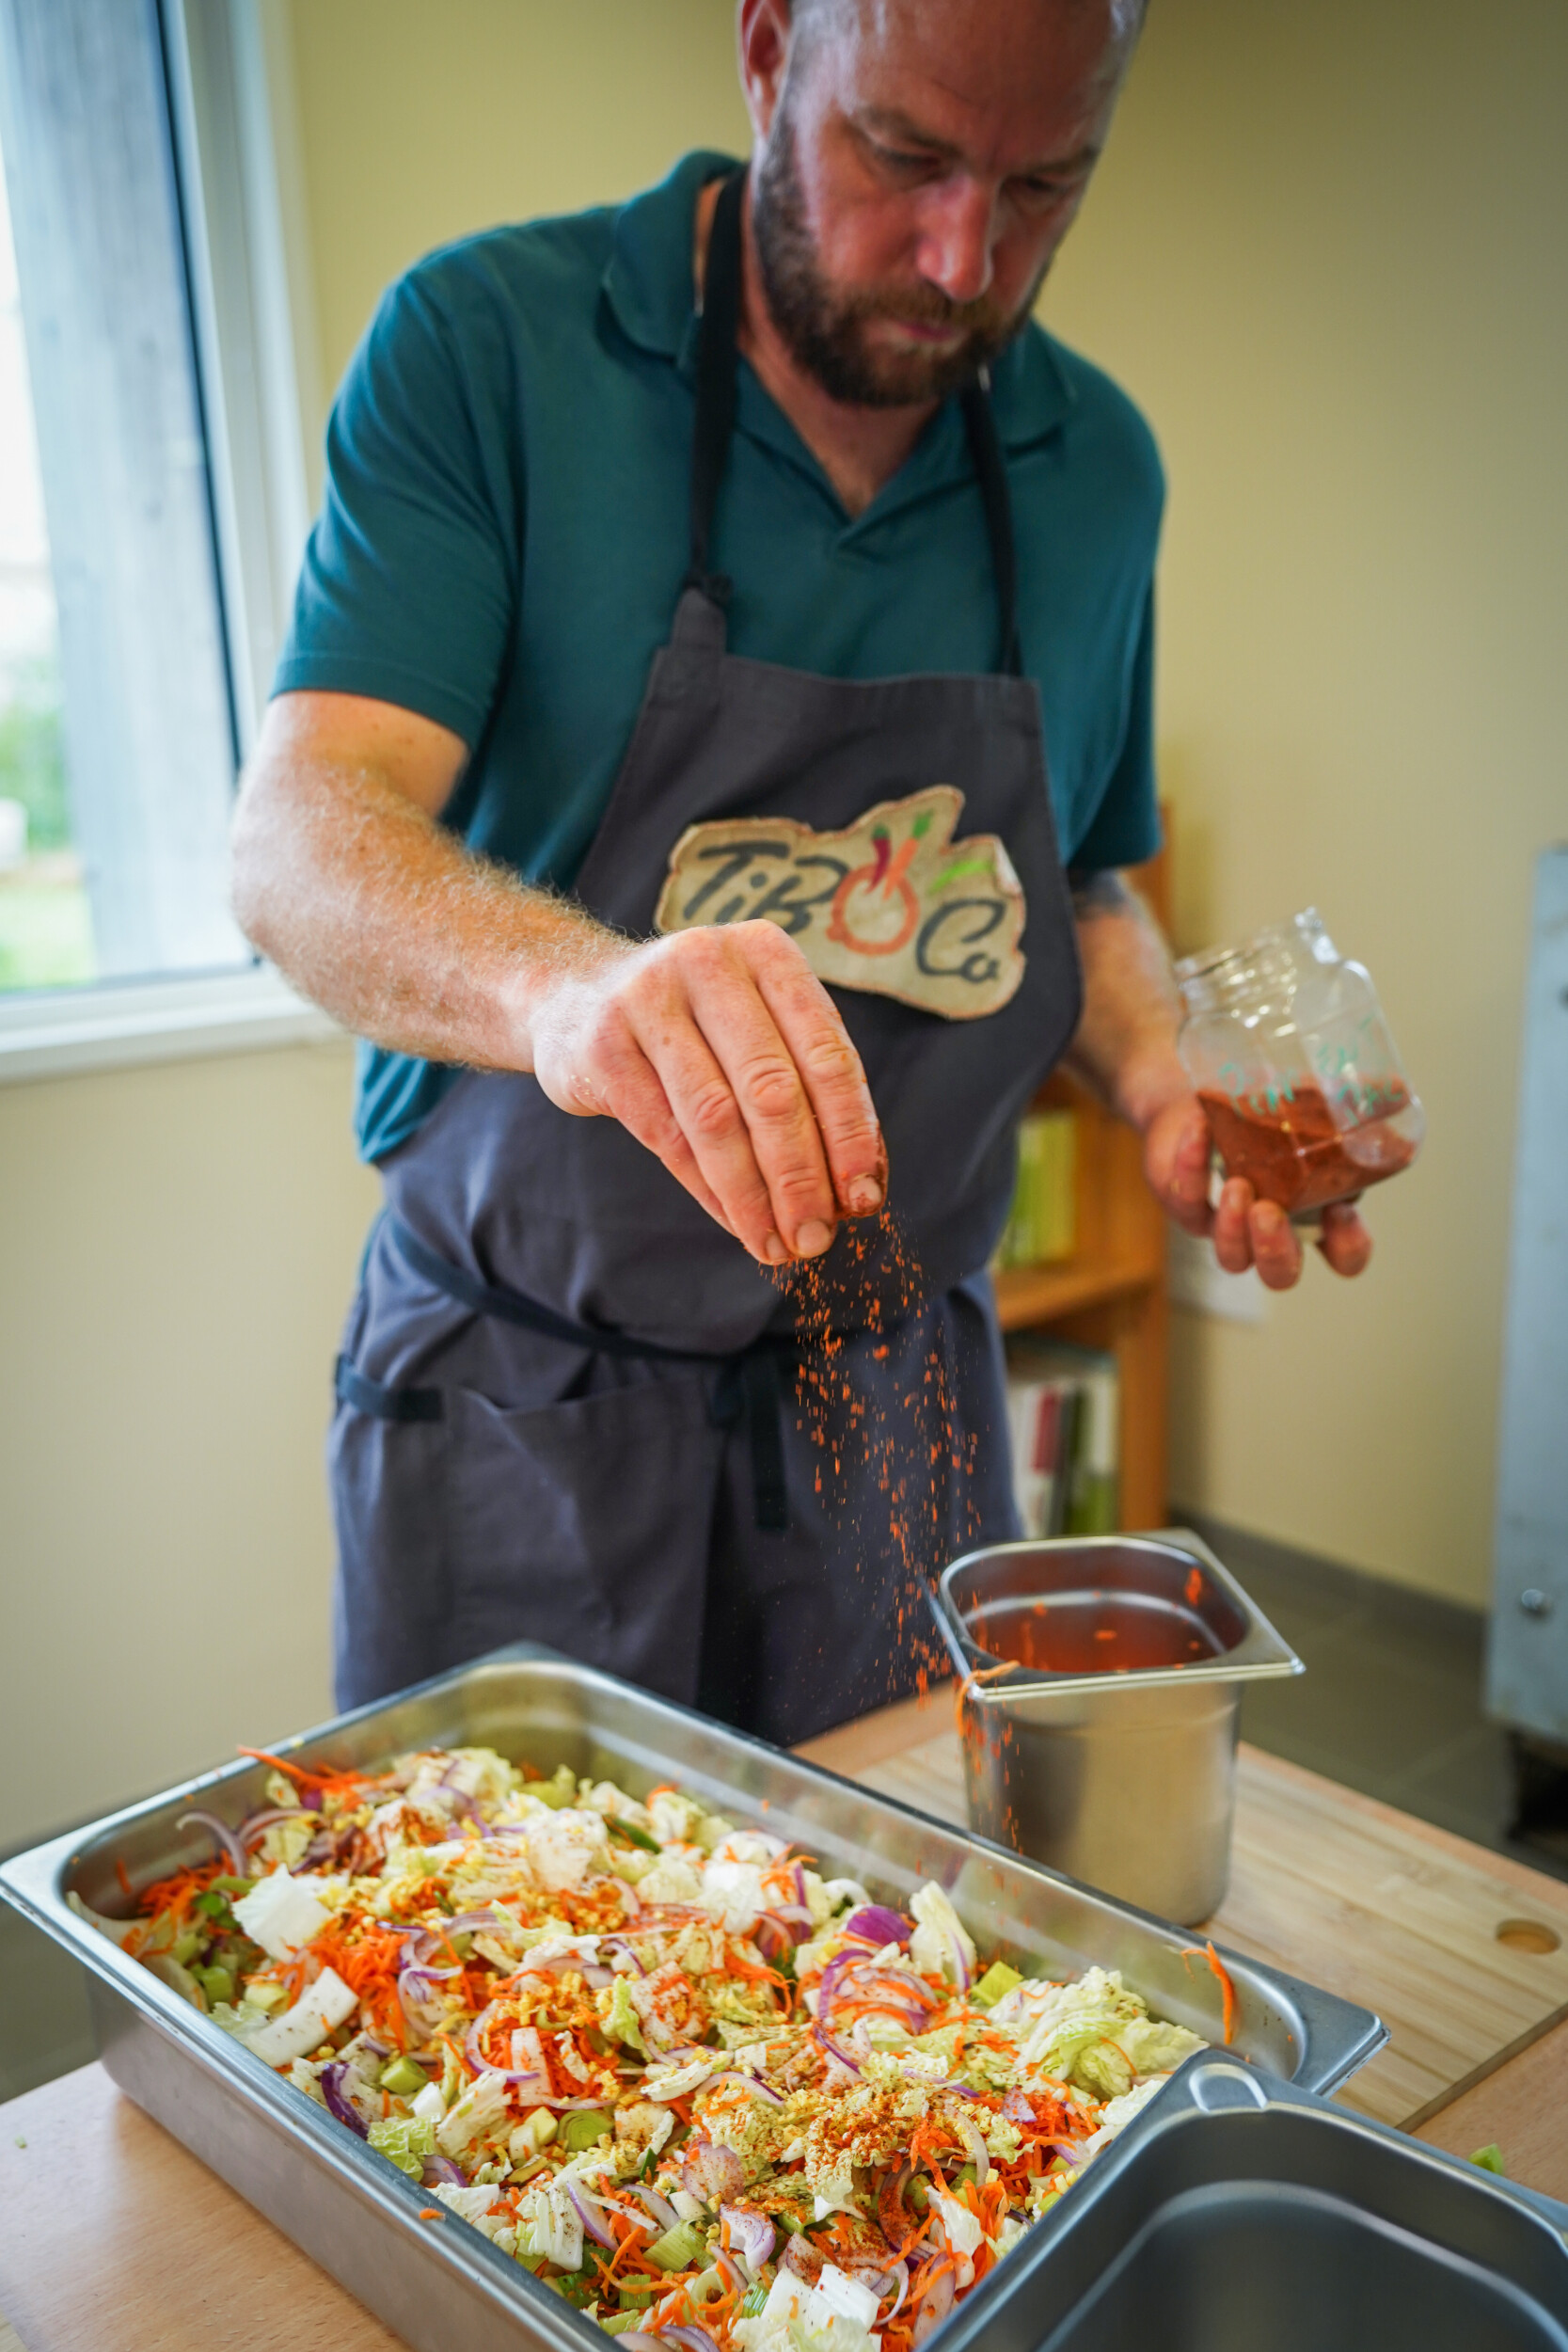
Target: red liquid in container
<point>1095,1633</point>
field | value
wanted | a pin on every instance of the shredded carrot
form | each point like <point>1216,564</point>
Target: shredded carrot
<point>430,2212</point>
<point>124,1877</point>
<point>319,1776</point>
<point>177,1892</point>
<point>1227,1991</point>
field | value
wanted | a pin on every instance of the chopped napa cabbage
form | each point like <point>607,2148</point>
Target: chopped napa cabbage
<point>963,2231</point>
<point>940,1935</point>
<point>549,2224</point>
<point>618,2017</point>
<point>674,1819</point>
<point>565,1846</point>
<point>833,2334</point>
<point>1118,2112</point>
<point>769,2330</point>
<point>473,2205</point>
<point>281,1914</point>
<point>732,1890</point>
<point>837,2296</point>
<point>479,2110</point>
<point>670,1880</point>
<point>320,2008</point>
<point>1155,2047</point>
<point>405,2141</point>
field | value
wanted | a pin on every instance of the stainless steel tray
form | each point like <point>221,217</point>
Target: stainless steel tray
<point>441,2286</point>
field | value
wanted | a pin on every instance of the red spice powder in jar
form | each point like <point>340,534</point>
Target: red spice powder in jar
<point>1297,1153</point>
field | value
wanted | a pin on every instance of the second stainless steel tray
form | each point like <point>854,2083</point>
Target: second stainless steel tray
<point>441,2286</point>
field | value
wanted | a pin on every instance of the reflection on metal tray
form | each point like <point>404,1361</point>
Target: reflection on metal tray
<point>445,2289</point>
<point>1248,2212</point>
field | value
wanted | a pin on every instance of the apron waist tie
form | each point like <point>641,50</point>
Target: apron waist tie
<point>748,1381</point>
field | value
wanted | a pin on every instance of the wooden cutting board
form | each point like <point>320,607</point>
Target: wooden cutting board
<point>1461,1952</point>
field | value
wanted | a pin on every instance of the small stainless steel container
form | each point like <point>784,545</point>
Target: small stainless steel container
<point>1248,2216</point>
<point>1101,1682</point>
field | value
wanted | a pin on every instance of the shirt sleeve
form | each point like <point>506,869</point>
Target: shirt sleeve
<point>1125,827</point>
<point>410,577</point>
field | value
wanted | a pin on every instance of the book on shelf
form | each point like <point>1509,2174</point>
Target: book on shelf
<point>1042,1224</point>
<point>1064,1413</point>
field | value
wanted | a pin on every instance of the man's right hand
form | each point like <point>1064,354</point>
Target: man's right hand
<point>717,1049</point>
<point>721,1051</point>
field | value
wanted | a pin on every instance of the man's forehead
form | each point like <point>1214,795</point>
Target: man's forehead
<point>1034,72</point>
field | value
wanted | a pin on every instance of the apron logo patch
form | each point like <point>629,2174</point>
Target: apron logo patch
<point>893,905</point>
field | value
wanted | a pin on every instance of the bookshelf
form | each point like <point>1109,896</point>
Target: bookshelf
<point>1112,1292</point>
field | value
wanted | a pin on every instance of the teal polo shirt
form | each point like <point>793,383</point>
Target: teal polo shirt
<point>505,529</point>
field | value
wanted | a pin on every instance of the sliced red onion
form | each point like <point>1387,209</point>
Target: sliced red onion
<point>891,2213</point>
<point>474,2053</point>
<point>1018,2107</point>
<point>834,2050</point>
<point>899,2276</point>
<point>256,1824</point>
<point>879,1924</point>
<point>619,1943</point>
<point>961,1960</point>
<point>770,1938</point>
<point>438,2168</point>
<point>591,2215</point>
<point>795,1914</point>
<point>980,2154</point>
<point>465,1922</point>
<point>232,1849</point>
<point>800,1875</point>
<point>331,2080</point>
<point>711,2171</point>
<point>738,2075</point>
<point>751,2235</point>
<point>662,2210</point>
<point>933,2307</point>
<point>694,2339</point>
<point>734,2277</point>
<point>322,1847</point>
<point>1073,2150</point>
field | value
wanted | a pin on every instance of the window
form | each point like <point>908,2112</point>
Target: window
<point>151,499</point>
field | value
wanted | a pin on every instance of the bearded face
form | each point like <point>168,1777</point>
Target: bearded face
<point>829,328</point>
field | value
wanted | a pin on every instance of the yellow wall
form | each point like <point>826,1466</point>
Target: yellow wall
<point>421,124</point>
<point>1325,253</point>
<point>177,1249</point>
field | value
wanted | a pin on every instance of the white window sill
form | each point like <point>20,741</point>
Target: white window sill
<point>57,1032</point>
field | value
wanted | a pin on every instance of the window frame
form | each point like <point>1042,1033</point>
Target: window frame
<point>228,70</point>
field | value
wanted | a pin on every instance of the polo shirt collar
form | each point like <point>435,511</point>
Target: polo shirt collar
<point>648,287</point>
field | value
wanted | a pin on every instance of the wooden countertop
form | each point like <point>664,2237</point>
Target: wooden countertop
<point>115,2235</point>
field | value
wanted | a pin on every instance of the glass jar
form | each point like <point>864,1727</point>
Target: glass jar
<point>1286,1042</point>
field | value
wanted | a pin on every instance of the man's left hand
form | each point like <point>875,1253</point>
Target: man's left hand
<point>1245,1230</point>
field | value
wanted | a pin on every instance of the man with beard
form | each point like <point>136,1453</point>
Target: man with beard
<point>717,702</point>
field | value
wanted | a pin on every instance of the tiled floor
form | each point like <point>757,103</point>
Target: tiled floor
<point>1390,1704</point>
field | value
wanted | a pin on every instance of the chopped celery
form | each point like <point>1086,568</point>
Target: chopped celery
<point>998,1978</point>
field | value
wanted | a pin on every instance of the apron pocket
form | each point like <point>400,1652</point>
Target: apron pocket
<point>585,1524</point>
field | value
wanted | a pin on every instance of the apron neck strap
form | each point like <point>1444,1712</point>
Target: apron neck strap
<point>717,344</point>
<point>717,352</point>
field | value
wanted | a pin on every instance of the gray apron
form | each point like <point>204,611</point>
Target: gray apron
<point>570,1407</point>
